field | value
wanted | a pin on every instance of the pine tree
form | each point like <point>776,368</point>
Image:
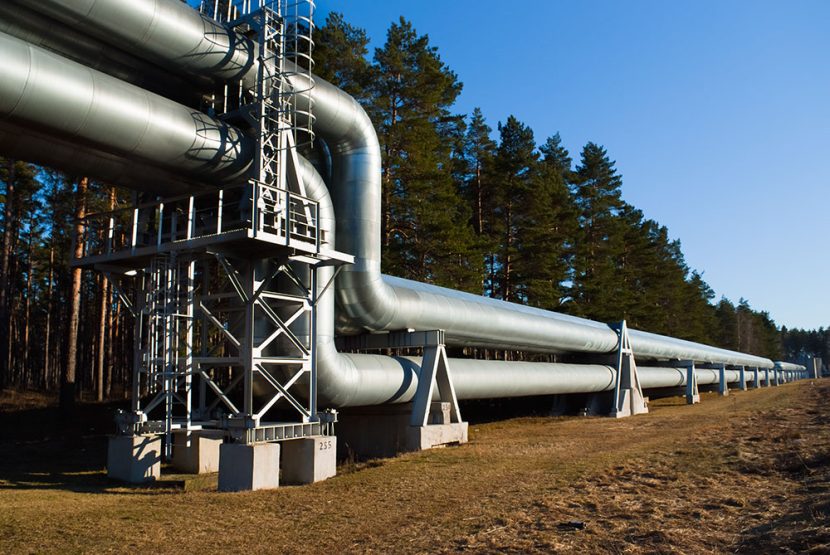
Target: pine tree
<point>426,228</point>
<point>515,172</point>
<point>475,183</point>
<point>340,56</point>
<point>596,191</point>
<point>727,336</point>
<point>549,224</point>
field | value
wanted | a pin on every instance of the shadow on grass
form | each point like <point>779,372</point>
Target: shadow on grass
<point>42,449</point>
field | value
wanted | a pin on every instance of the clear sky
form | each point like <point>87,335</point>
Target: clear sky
<point>717,113</point>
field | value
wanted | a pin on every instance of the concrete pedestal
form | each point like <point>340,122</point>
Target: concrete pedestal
<point>249,467</point>
<point>197,452</point>
<point>385,431</point>
<point>309,460</point>
<point>134,459</point>
<point>419,438</point>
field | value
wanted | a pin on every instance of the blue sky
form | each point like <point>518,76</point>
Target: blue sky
<point>717,113</point>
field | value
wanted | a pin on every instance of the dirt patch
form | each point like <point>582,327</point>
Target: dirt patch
<point>748,473</point>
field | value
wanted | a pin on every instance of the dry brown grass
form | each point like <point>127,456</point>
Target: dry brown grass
<point>747,473</point>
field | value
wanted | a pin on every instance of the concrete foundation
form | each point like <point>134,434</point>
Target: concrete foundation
<point>384,431</point>
<point>309,460</point>
<point>249,467</point>
<point>197,452</point>
<point>134,459</point>
<point>419,438</point>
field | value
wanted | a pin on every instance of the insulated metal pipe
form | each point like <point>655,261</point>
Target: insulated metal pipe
<point>375,302</point>
<point>360,379</point>
<point>56,97</point>
<point>69,41</point>
<point>169,32</point>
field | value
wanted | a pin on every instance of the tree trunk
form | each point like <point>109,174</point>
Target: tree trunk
<point>27,310</point>
<point>102,335</point>
<point>47,340</point>
<point>67,396</point>
<point>112,337</point>
<point>4,273</point>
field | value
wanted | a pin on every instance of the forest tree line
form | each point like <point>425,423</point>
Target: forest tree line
<point>498,212</point>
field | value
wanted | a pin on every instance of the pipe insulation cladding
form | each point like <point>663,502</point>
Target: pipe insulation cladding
<point>63,99</point>
<point>102,122</point>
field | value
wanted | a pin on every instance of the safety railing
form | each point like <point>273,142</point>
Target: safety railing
<point>255,209</point>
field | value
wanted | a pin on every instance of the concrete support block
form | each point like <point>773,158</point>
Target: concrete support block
<point>249,467</point>
<point>419,438</point>
<point>197,452</point>
<point>134,459</point>
<point>309,460</point>
<point>385,431</point>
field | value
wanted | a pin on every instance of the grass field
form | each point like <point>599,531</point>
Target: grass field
<point>746,473</point>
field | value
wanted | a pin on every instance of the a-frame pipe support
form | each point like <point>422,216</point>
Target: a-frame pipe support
<point>756,382</point>
<point>723,385</point>
<point>692,391</point>
<point>435,371</point>
<point>628,394</point>
<point>742,381</point>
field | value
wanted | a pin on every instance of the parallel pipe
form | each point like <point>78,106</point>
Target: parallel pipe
<point>361,379</point>
<point>49,94</point>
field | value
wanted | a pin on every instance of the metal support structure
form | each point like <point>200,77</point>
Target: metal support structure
<point>435,367</point>
<point>435,371</point>
<point>742,379</point>
<point>756,382</point>
<point>628,395</point>
<point>219,304</point>
<point>692,391</point>
<point>723,385</point>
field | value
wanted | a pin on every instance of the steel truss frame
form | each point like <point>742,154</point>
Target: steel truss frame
<point>224,322</point>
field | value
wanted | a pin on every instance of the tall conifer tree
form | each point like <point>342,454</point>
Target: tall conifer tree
<point>426,228</point>
<point>598,247</point>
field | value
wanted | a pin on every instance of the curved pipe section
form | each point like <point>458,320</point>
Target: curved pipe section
<point>378,303</point>
<point>359,379</point>
<point>375,302</point>
<point>56,96</point>
<point>166,31</point>
<point>46,33</point>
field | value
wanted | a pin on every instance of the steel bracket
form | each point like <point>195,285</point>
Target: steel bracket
<point>692,391</point>
<point>628,394</point>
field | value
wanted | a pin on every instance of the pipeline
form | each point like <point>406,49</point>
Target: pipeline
<point>199,149</point>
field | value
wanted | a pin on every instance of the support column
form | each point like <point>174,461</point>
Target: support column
<point>767,380</point>
<point>723,387</point>
<point>435,373</point>
<point>742,381</point>
<point>756,378</point>
<point>814,368</point>
<point>135,458</point>
<point>628,395</point>
<point>692,392</point>
<point>246,467</point>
